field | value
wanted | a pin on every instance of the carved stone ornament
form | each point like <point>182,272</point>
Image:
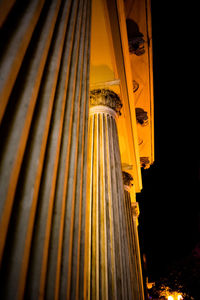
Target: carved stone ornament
<point>135,38</point>
<point>135,86</point>
<point>127,178</point>
<point>135,209</point>
<point>107,98</point>
<point>140,141</point>
<point>144,162</point>
<point>141,116</point>
<point>136,44</point>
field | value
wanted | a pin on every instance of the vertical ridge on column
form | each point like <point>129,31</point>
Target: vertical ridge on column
<point>24,101</point>
<point>95,214</point>
<point>120,267</point>
<point>77,264</point>
<point>37,269</point>
<point>85,139</point>
<point>5,7</point>
<point>88,219</point>
<point>16,47</point>
<point>111,253</point>
<point>102,210</point>
<point>56,241</point>
<point>15,147</point>
<point>69,248</point>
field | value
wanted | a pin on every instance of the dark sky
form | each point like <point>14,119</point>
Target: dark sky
<point>170,201</point>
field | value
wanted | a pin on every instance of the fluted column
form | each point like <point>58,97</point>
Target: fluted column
<point>132,213</point>
<point>107,272</point>
<point>135,214</point>
<point>44,95</point>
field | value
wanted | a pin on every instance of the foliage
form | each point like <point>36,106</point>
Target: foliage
<point>182,277</point>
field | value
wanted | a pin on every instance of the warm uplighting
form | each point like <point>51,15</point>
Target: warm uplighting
<point>179,297</point>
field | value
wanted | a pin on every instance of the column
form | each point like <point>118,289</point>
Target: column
<point>132,210</point>
<point>135,213</point>
<point>107,272</point>
<point>44,96</point>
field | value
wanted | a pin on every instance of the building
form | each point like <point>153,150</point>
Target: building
<point>76,110</point>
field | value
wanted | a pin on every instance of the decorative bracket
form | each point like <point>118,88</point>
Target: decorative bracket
<point>141,116</point>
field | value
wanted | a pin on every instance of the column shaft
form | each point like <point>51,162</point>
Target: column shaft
<point>138,258</point>
<point>107,273</point>
<point>131,217</point>
<point>43,154</point>
<point>132,250</point>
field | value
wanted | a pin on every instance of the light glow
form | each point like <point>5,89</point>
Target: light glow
<point>170,298</point>
<point>180,297</point>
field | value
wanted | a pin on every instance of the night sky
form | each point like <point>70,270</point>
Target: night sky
<point>170,200</point>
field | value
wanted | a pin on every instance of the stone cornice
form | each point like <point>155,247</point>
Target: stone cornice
<point>105,97</point>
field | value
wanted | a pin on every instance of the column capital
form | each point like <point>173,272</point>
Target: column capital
<point>135,209</point>
<point>107,98</point>
<point>127,178</point>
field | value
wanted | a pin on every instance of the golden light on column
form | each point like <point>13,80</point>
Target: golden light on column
<point>107,274</point>
<point>43,149</point>
<point>132,213</point>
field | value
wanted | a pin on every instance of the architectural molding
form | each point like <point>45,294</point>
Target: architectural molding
<point>104,84</point>
<point>102,109</point>
<point>126,166</point>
